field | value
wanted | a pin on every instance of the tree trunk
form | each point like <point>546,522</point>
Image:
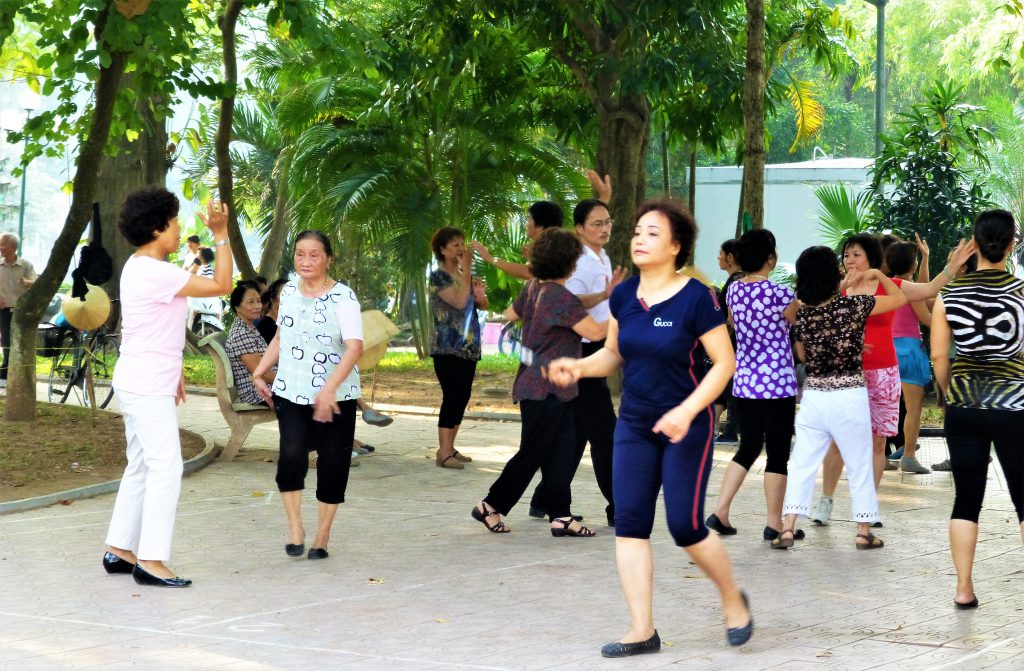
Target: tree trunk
<point>753,117</point>
<point>692,195</point>
<point>137,164</point>
<point>222,141</point>
<point>623,134</point>
<point>21,392</point>
<point>274,244</point>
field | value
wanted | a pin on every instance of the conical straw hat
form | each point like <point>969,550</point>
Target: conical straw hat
<point>377,330</point>
<point>90,313</point>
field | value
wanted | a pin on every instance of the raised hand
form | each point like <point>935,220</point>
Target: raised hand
<point>216,218</point>
<point>602,187</point>
<point>618,275</point>
<point>922,246</point>
<point>959,255</point>
<point>482,251</point>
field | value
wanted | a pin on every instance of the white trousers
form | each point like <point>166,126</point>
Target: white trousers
<point>147,500</point>
<point>843,416</point>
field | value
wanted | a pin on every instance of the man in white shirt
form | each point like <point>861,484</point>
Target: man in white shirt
<point>593,282</point>
<point>16,276</point>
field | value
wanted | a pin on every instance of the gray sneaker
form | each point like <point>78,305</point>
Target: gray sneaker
<point>823,512</point>
<point>942,466</point>
<point>371,416</point>
<point>912,465</point>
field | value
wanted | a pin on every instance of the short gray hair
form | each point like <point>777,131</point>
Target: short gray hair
<point>13,238</point>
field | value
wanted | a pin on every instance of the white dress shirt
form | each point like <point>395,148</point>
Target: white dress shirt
<point>593,272</point>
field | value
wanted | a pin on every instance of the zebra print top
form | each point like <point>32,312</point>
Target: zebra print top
<point>985,311</point>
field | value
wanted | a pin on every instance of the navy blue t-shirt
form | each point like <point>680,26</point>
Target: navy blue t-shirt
<point>660,346</point>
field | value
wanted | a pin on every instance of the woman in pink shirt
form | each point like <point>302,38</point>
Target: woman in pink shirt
<point>149,381</point>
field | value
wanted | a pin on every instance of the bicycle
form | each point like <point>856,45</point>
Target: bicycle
<point>508,341</point>
<point>79,354</point>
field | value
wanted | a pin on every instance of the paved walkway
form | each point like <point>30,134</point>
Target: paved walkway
<point>414,583</point>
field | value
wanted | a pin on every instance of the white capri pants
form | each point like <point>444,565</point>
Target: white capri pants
<point>843,416</point>
<point>147,500</point>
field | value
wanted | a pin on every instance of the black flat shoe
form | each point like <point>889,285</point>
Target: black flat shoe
<point>740,635</point>
<point>317,553</point>
<point>144,577</point>
<point>115,564</point>
<point>973,603</point>
<point>611,517</point>
<point>771,534</point>
<point>653,644</point>
<point>714,523</point>
<point>294,549</point>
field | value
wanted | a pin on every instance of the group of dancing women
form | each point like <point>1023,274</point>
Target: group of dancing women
<point>669,334</point>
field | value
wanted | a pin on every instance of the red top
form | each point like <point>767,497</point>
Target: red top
<point>879,351</point>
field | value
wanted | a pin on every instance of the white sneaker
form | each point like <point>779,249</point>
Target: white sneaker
<point>823,512</point>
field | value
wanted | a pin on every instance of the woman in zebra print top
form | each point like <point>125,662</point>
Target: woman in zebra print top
<point>982,313</point>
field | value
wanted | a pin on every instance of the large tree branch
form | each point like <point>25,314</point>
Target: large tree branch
<point>222,141</point>
<point>577,70</point>
<point>21,400</point>
<point>588,26</point>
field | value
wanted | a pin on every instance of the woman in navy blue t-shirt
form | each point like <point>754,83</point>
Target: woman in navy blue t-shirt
<point>664,437</point>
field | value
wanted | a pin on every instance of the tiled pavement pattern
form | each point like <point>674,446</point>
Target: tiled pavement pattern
<point>413,583</point>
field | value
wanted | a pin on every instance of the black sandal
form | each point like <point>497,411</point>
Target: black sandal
<point>781,542</point>
<point>481,516</point>
<point>584,532</point>
<point>873,542</point>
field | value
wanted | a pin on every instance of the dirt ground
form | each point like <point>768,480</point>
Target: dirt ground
<point>66,447</point>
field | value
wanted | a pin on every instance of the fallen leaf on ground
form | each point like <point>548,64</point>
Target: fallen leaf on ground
<point>824,653</point>
<point>376,581</point>
<point>64,502</point>
<point>256,494</point>
<point>441,620</point>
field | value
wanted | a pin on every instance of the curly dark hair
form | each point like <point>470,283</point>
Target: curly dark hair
<point>900,258</point>
<point>681,223</point>
<point>238,293</point>
<point>145,212</point>
<point>817,275</point>
<point>441,238</point>
<point>754,249</point>
<point>555,254</point>
<point>870,244</point>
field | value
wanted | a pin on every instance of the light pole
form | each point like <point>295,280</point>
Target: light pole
<point>880,82</point>
<point>29,102</point>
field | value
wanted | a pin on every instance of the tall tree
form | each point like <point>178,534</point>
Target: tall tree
<point>752,189</point>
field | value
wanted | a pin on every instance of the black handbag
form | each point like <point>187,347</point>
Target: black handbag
<point>94,265</point>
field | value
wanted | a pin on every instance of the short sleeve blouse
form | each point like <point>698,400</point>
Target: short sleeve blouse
<point>764,355</point>
<point>312,334</point>
<point>549,311</point>
<point>833,338</point>
<point>456,330</point>
<point>660,345</point>
<point>244,339</point>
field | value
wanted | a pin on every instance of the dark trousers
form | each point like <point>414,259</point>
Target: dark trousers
<point>455,375</point>
<point>301,434</point>
<point>5,339</point>
<point>546,443</point>
<point>897,441</point>
<point>645,461</point>
<point>766,422</point>
<point>970,434</point>
<point>594,419</point>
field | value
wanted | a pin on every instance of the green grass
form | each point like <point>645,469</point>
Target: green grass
<point>199,370</point>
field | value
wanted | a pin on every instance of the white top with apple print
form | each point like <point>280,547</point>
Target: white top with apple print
<point>312,333</point>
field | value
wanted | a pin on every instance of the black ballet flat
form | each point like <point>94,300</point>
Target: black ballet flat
<point>714,523</point>
<point>294,549</point>
<point>317,553</point>
<point>114,564</point>
<point>740,635</point>
<point>973,603</point>
<point>653,644</point>
<point>144,577</point>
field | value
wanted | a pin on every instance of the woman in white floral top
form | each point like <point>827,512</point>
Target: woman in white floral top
<point>318,342</point>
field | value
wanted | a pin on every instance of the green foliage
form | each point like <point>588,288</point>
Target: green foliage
<point>1006,159</point>
<point>841,214</point>
<point>922,182</point>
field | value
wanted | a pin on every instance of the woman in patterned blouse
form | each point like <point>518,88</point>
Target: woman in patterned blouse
<point>981,313</point>
<point>244,344</point>
<point>318,343</point>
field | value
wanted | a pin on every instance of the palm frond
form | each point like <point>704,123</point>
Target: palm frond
<point>841,214</point>
<point>810,113</point>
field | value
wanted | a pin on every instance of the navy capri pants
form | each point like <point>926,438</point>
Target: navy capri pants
<point>644,462</point>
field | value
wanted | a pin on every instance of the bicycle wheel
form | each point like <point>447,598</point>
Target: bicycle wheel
<point>63,371</point>
<point>508,343</point>
<point>103,358</point>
